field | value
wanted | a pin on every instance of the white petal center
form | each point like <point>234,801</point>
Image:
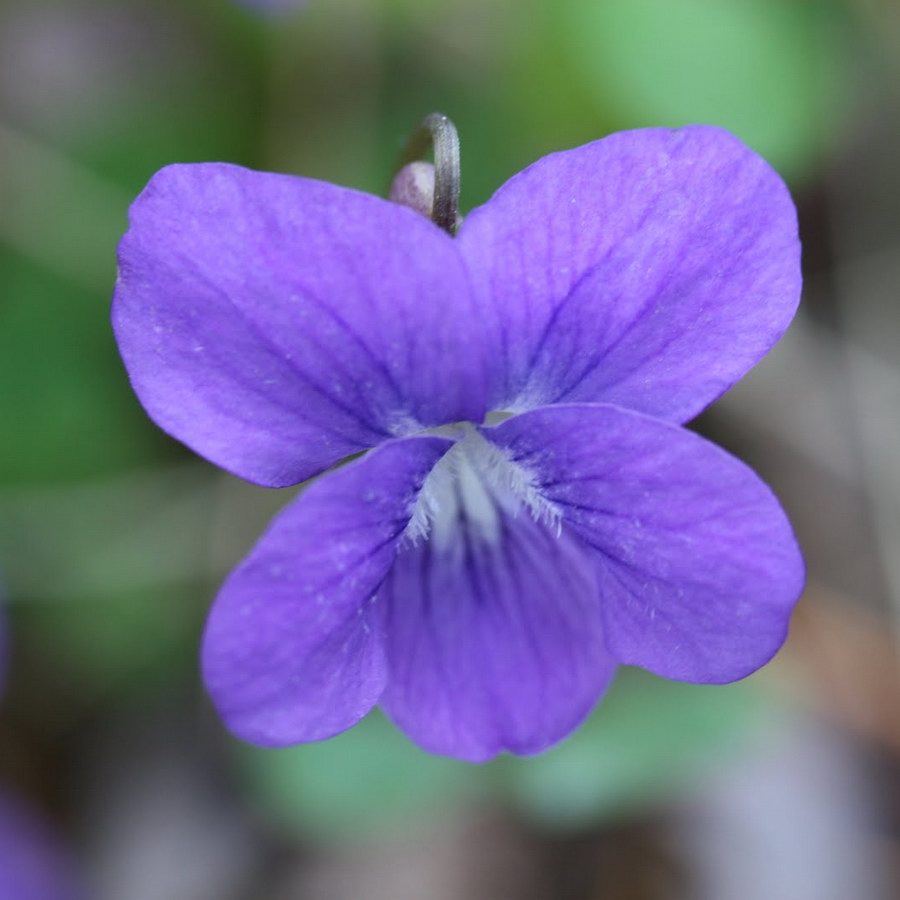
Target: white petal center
<point>470,487</point>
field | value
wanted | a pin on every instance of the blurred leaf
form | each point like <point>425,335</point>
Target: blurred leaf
<point>75,239</point>
<point>64,396</point>
<point>109,579</point>
<point>110,646</point>
<point>366,779</point>
<point>73,543</point>
<point>128,87</point>
<point>643,741</point>
<point>771,71</point>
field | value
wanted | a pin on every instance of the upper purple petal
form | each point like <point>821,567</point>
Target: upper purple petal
<point>494,641</point>
<point>277,324</point>
<point>650,269</point>
<point>292,650</point>
<point>698,567</point>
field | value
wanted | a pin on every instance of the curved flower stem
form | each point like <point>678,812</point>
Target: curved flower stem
<point>437,131</point>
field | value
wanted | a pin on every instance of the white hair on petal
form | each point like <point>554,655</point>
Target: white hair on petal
<point>477,480</point>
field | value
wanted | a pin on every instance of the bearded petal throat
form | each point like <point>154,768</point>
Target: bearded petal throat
<point>470,488</point>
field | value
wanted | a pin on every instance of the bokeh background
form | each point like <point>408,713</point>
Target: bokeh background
<point>113,538</point>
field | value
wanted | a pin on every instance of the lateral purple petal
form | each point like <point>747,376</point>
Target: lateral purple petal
<point>293,650</point>
<point>277,324</point>
<point>650,269</point>
<point>697,564</point>
<point>493,644</point>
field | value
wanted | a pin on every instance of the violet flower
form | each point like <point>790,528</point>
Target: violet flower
<point>530,512</point>
<point>32,864</point>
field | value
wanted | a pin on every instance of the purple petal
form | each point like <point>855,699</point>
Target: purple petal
<point>650,269</point>
<point>32,864</point>
<point>292,651</point>
<point>277,324</point>
<point>493,644</point>
<point>699,570</point>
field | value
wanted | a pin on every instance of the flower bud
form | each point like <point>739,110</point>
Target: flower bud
<point>413,186</point>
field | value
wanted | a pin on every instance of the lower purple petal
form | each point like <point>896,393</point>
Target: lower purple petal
<point>493,645</point>
<point>699,570</point>
<point>292,650</point>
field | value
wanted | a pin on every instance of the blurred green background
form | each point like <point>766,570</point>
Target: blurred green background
<point>114,538</point>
